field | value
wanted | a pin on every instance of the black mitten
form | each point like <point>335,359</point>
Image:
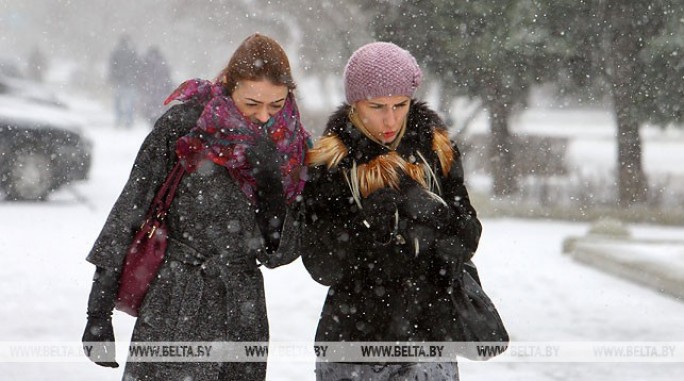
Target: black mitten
<point>98,336</point>
<point>265,160</point>
<point>379,214</point>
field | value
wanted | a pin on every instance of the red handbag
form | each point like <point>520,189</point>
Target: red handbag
<point>146,253</point>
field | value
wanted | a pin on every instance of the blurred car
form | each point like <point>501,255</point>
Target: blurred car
<point>42,146</point>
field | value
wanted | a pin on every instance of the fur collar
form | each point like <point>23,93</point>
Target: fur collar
<point>424,148</point>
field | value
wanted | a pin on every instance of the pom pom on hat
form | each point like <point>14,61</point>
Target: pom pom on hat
<point>380,69</point>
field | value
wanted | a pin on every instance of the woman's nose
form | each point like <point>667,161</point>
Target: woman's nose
<point>391,118</point>
<point>262,115</point>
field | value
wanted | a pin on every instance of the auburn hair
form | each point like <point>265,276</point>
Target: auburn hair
<point>257,58</point>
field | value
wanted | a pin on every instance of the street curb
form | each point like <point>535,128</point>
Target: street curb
<point>658,264</point>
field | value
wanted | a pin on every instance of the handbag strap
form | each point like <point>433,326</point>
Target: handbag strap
<point>175,178</point>
<point>164,197</point>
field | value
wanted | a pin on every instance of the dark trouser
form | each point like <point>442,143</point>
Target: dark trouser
<point>426,371</point>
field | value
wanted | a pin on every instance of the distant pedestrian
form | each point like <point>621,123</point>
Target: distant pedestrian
<point>154,85</point>
<point>37,65</point>
<point>123,73</point>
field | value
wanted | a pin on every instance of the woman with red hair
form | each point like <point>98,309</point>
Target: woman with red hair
<point>242,146</point>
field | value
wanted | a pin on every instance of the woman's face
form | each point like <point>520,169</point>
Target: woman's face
<point>259,100</point>
<point>383,116</point>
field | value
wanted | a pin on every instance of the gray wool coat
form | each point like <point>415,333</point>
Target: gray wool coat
<point>209,287</point>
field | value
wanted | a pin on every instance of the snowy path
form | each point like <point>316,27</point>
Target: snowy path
<point>542,295</point>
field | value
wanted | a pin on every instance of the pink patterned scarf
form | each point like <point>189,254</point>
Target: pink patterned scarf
<point>223,134</point>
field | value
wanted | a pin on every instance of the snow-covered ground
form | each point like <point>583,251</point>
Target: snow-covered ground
<point>543,295</point>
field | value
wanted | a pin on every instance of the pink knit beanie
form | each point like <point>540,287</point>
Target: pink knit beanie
<point>380,69</point>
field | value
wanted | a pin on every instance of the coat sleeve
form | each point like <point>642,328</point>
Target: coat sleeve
<point>329,234</point>
<point>464,221</point>
<point>152,163</point>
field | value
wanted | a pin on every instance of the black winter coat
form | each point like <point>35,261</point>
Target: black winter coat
<point>396,289</point>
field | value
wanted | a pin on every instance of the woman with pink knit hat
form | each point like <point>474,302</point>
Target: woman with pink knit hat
<point>388,220</point>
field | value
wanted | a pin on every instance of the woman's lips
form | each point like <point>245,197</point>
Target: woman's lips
<point>389,135</point>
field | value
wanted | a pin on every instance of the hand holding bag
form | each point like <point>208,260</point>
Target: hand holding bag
<point>146,253</point>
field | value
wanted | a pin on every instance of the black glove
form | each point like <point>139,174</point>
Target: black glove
<point>98,341</point>
<point>265,160</point>
<point>451,252</point>
<point>424,207</point>
<point>418,236</point>
<point>446,262</point>
<point>98,336</point>
<point>378,216</point>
